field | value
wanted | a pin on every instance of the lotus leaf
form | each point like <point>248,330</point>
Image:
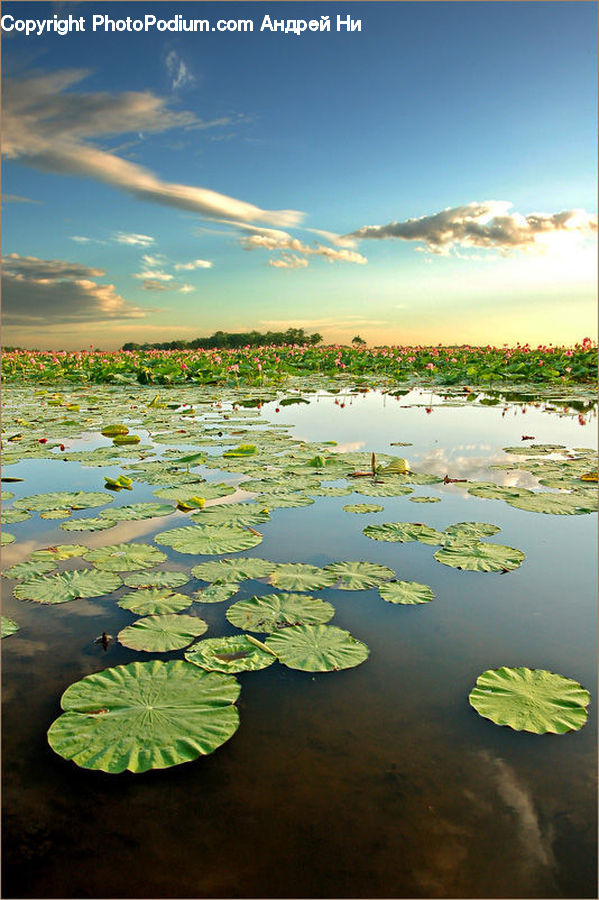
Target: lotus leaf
<point>555,504</point>
<point>30,569</point>
<point>480,556</point>
<point>155,579</point>
<point>301,577</point>
<point>124,557</point>
<point>358,576</point>
<point>403,532</point>
<point>154,601</point>
<point>12,516</point>
<point>317,648</point>
<point>274,611</point>
<point>238,653</point>
<point>207,491</point>
<point>56,514</point>
<point>162,633</point>
<point>63,500</point>
<point>9,626</point>
<point>406,592</point>
<point>90,523</point>
<point>144,716</point>
<point>136,511</point>
<point>422,499</point>
<point>66,586</point>
<point>113,430</point>
<point>363,508</point>
<point>469,531</point>
<point>224,570</point>
<point>208,539</point>
<point>217,593</point>
<point>60,552</point>
<point>272,501</point>
<point>490,491</point>
<point>387,489</point>
<point>329,491</point>
<point>232,514</point>
<point>7,495</point>
<point>532,700</point>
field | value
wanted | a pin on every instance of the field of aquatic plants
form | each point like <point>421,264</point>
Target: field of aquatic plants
<point>178,511</point>
<point>262,365</point>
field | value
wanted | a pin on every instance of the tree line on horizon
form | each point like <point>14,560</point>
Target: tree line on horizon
<point>232,340</point>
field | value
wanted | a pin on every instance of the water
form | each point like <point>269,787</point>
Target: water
<point>379,781</point>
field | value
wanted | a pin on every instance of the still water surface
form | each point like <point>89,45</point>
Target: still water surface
<point>379,781</point>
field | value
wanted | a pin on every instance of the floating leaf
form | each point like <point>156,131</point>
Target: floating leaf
<point>406,592</point>
<point>208,491</point>
<point>114,430</point>
<point>144,716</point>
<point>397,466</point>
<point>56,514</point>
<point>358,576</point>
<point>274,611</point>
<point>285,501</point>
<point>555,504</point>
<point>301,577</point>
<point>242,450</point>
<point>317,648</point>
<point>60,552</point>
<point>470,531</point>
<point>136,511</point>
<point>363,508</point>
<point>490,491</point>
<point>124,557</point>
<point>217,593</point>
<point>329,491</point>
<point>12,516</point>
<point>238,653</point>
<point>403,532</point>
<point>388,489</point>
<point>160,634</point>
<point>154,601</point>
<point>224,570</point>
<point>90,523</point>
<point>9,626</point>
<point>422,499</point>
<point>66,586</point>
<point>30,569</point>
<point>156,579</point>
<point>232,514</point>
<point>480,557</point>
<point>207,539</point>
<point>63,500</point>
<point>122,439</point>
<point>532,700</point>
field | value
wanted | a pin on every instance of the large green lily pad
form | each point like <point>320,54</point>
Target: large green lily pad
<point>160,634</point>
<point>31,568</point>
<point>60,552</point>
<point>208,539</point>
<point>359,576</point>
<point>239,653</point>
<point>403,532</point>
<point>530,700</point>
<point>317,648</point>
<point>207,490</point>
<point>9,626</point>
<point>271,612</point>
<point>6,538</point>
<point>66,586</point>
<point>63,500</point>
<point>125,557</point>
<point>12,516</point>
<point>480,556</point>
<point>386,489</point>
<point>301,577</point>
<point>156,579</point>
<point>142,716</point>
<point>555,504</point>
<point>232,514</point>
<point>406,592</point>
<point>469,531</point>
<point>228,570</point>
<point>154,601</point>
<point>488,490</point>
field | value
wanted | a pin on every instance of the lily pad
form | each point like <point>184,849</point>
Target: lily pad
<point>555,504</point>
<point>162,633</point>
<point>466,531</point>
<point>134,512</point>
<point>317,648</point>
<point>56,514</point>
<point>301,577</point>
<point>406,592</point>
<point>329,491</point>
<point>63,500</point>
<point>363,508</point>
<point>142,716</point>
<point>388,489</point>
<point>9,626</point>
<point>217,593</point>
<point>274,611</point>
<point>60,552</point>
<point>285,501</point>
<point>238,653</point>
<point>206,490</point>
<point>6,538</point>
<point>359,576</point>
<point>404,532</point>
<point>208,539</point>
<point>480,557</point>
<point>154,601</point>
<point>490,491</point>
<point>227,570</point>
<point>425,499</point>
<point>532,700</point>
<point>156,579</point>
<point>124,557</point>
<point>66,586</point>
<point>30,569</point>
<point>11,516</point>
<point>90,523</point>
<point>232,514</point>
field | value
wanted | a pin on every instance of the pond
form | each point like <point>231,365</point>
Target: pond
<point>378,780</point>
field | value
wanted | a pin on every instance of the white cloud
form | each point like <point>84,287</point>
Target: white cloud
<point>186,289</point>
<point>274,239</point>
<point>17,198</point>
<point>39,293</point>
<point>157,259</point>
<point>154,274</point>
<point>488,225</point>
<point>194,264</point>
<point>178,71</point>
<point>288,261</point>
<point>134,240</point>
<point>50,126</point>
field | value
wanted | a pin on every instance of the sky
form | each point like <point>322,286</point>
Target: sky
<point>430,178</point>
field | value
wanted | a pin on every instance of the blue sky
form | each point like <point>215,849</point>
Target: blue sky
<point>364,179</point>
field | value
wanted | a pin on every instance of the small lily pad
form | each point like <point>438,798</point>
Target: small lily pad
<point>63,500</point>
<point>532,700</point>
<point>386,489</point>
<point>156,579</point>
<point>363,508</point>
<point>60,552</point>
<point>425,499</point>
<point>359,576</point>
<point>301,577</point>
<point>9,626</point>
<point>32,568</point>
<point>154,601</point>
<point>466,531</point>
<point>228,570</point>
<point>480,557</point>
<point>124,557</point>
<point>317,648</point>
<point>239,653</point>
<point>6,538</point>
<point>162,633</point>
<point>142,716</point>
<point>403,532</point>
<point>271,612</point>
<point>217,593</point>
<point>11,516</point>
<point>406,592</point>
<point>208,539</point>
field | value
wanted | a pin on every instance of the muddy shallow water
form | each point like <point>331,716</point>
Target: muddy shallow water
<point>378,781</point>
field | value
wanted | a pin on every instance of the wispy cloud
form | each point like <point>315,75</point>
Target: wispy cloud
<point>288,261</point>
<point>488,225</point>
<point>178,71</point>
<point>16,198</point>
<point>50,126</point>
<point>194,264</point>
<point>134,240</point>
<point>39,292</point>
<point>274,239</point>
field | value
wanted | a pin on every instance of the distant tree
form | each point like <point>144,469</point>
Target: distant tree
<point>358,341</point>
